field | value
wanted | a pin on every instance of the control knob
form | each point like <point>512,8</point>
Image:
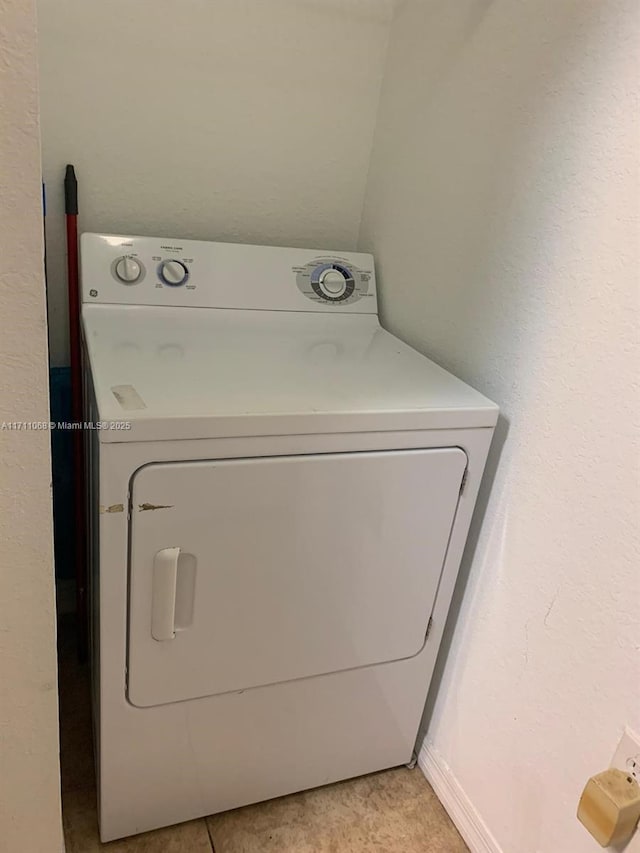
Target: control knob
<point>173,273</point>
<point>128,269</point>
<point>333,282</point>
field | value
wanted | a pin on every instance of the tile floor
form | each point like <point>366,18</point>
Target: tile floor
<point>394,811</point>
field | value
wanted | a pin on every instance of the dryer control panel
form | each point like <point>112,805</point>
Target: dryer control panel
<point>127,270</point>
<point>333,280</point>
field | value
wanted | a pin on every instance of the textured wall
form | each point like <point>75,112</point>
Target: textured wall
<point>29,768</point>
<point>239,120</point>
<point>502,207</point>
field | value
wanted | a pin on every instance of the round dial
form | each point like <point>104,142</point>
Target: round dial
<point>173,273</point>
<point>128,269</point>
<point>333,282</point>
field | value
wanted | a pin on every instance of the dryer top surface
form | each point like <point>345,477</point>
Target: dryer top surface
<point>183,373</point>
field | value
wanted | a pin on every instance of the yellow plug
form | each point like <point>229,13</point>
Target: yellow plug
<point>609,807</point>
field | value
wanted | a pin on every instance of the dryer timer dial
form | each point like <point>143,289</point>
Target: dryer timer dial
<point>333,282</point>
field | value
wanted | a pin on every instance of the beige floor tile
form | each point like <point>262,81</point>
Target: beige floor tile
<point>391,812</point>
<point>81,832</point>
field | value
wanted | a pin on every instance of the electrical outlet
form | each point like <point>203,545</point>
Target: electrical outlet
<point>627,754</point>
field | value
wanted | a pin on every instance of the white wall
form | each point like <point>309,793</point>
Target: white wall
<point>239,120</point>
<point>29,769</point>
<point>502,206</point>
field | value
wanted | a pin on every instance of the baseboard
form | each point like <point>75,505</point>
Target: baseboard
<point>460,809</point>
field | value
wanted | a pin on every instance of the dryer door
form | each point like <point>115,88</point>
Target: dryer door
<point>248,572</point>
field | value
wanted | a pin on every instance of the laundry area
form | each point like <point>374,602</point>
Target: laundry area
<point>336,335</point>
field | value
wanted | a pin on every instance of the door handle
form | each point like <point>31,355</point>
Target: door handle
<point>163,594</point>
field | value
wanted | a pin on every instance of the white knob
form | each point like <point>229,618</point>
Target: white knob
<point>173,272</point>
<point>128,269</point>
<point>333,282</point>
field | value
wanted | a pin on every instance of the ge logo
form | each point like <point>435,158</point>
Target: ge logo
<point>93,293</point>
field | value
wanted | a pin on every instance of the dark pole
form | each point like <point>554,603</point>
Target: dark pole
<point>71,211</point>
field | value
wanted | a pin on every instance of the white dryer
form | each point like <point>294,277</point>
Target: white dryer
<point>281,493</point>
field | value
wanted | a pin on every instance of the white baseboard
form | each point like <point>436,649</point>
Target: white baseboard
<point>459,807</point>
